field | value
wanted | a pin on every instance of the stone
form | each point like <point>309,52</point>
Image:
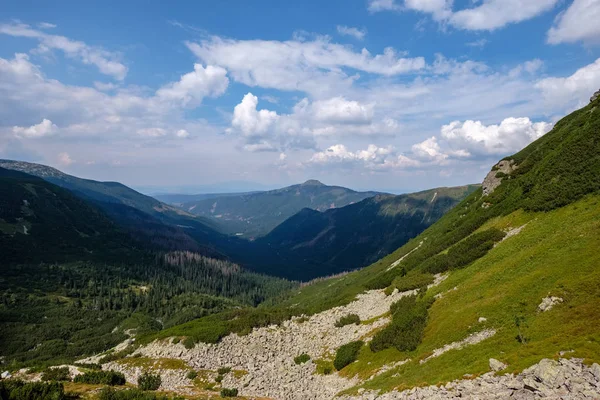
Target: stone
<point>482,319</point>
<point>549,302</point>
<point>5,375</point>
<point>595,96</point>
<point>492,181</point>
<point>496,365</point>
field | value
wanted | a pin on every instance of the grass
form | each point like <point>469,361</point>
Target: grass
<point>555,254</point>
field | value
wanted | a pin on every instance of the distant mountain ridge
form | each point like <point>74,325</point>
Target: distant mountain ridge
<point>350,237</point>
<point>256,214</point>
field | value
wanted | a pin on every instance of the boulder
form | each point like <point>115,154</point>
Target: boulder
<point>495,176</point>
<point>496,365</point>
<point>595,96</point>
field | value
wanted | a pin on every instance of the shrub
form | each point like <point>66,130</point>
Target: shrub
<point>93,366</point>
<point>189,342</point>
<point>191,375</point>
<point>347,354</point>
<point>405,332</point>
<point>301,359</point>
<point>111,378</point>
<point>56,374</point>
<point>347,320</point>
<point>223,370</point>
<point>219,378</point>
<point>414,280</point>
<point>465,252</point>
<point>18,390</point>
<point>148,381</point>
<point>229,393</point>
<point>175,340</point>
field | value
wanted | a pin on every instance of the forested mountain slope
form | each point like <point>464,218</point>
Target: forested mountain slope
<point>358,234</point>
<point>255,214</point>
<point>73,281</point>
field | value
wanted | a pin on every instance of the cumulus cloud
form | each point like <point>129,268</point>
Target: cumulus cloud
<point>358,34</point>
<point>338,109</point>
<point>44,128</point>
<point>106,62</point>
<point>573,90</point>
<point>249,120</point>
<point>458,142</point>
<point>194,86</point>
<point>580,22</point>
<point>265,129</point>
<point>488,16</point>
<point>473,138</point>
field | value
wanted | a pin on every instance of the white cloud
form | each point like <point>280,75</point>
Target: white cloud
<point>152,132</point>
<point>490,15</point>
<point>572,91</point>
<point>44,128</point>
<point>340,110</point>
<point>105,61</point>
<point>318,67</point>
<point>194,86</point>
<point>46,25</point>
<point>358,34</point>
<point>495,14</point>
<point>476,139</point>
<point>480,43</point>
<point>580,22</point>
<point>373,158</point>
<point>249,120</point>
<point>65,159</point>
<point>182,134</point>
<point>105,87</point>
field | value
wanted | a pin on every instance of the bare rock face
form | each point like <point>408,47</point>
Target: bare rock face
<point>495,176</point>
<point>595,96</point>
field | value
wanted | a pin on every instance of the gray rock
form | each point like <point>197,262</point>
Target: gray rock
<point>491,181</point>
<point>496,365</point>
<point>595,96</point>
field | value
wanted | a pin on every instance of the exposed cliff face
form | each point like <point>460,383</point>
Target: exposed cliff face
<point>495,176</point>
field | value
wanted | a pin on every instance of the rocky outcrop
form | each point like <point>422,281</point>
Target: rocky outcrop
<point>469,340</point>
<point>595,96</point>
<point>495,176</point>
<point>549,302</point>
<point>549,379</point>
<point>496,365</point>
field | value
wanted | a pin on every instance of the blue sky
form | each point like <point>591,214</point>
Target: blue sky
<point>371,94</point>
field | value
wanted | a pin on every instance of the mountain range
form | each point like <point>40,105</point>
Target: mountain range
<point>255,214</point>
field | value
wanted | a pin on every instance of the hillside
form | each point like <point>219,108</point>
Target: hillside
<point>40,222</point>
<point>505,281</point>
<point>148,220</point>
<point>255,214</point>
<point>350,237</point>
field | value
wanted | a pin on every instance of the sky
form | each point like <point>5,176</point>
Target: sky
<point>395,95</point>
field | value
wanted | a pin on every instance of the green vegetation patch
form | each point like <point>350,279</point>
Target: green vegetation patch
<point>148,381</point>
<point>348,320</point>
<point>13,389</point>
<point>405,332</point>
<point>111,378</point>
<point>347,354</point>
<point>301,359</point>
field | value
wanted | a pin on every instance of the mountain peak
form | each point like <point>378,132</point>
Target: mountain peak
<point>313,182</point>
